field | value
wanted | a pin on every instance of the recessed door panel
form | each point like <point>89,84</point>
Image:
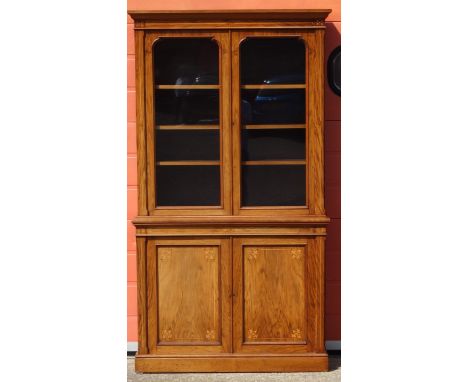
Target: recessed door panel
<point>189,288</point>
<point>188,294</point>
<point>272,280</point>
<point>274,285</point>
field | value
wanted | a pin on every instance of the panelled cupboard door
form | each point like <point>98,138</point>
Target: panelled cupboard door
<point>187,119</point>
<point>188,291</point>
<point>278,298</point>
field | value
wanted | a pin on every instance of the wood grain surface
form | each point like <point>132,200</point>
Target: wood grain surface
<point>315,117</point>
<point>270,283</point>
<point>244,363</point>
<point>189,289</point>
<point>140,123</point>
<point>274,288</point>
<point>230,288</point>
<point>188,294</point>
<point>280,15</point>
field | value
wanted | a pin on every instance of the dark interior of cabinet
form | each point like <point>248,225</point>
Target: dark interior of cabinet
<point>268,144</point>
<point>187,122</point>
<point>187,135</point>
<point>271,60</point>
<point>186,61</point>
<point>273,106</point>
<point>188,185</point>
<point>186,145</point>
<point>273,185</point>
<point>273,118</point>
<point>186,107</point>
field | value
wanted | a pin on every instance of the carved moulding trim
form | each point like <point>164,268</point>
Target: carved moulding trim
<point>132,346</point>
<point>229,221</point>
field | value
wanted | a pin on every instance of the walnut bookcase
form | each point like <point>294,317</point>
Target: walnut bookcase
<point>231,221</point>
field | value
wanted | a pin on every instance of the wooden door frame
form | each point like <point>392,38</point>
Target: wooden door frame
<point>225,290</point>
<point>314,296</point>
<point>313,41</point>
<point>146,128</point>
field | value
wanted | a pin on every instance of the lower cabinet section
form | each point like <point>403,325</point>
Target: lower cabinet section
<point>232,304</point>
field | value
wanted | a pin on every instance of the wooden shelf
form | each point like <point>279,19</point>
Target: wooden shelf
<point>187,127</point>
<point>274,86</point>
<point>273,162</point>
<point>189,163</point>
<point>195,87</point>
<point>286,126</point>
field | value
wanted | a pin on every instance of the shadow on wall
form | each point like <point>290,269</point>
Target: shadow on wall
<point>333,194</point>
<point>332,101</point>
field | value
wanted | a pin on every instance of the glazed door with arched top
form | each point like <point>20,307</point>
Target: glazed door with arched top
<point>188,123</point>
<point>277,123</point>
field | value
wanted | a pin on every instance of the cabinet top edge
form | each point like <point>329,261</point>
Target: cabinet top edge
<point>230,15</point>
<point>230,220</point>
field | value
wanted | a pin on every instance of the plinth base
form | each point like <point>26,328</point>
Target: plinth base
<point>232,363</point>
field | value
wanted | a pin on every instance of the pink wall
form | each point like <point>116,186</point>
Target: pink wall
<point>332,148</point>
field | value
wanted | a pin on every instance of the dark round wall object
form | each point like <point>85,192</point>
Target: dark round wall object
<point>334,70</point>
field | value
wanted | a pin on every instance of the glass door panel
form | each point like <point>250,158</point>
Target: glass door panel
<point>186,107</point>
<point>199,144</point>
<point>271,60</point>
<point>186,61</point>
<point>273,122</point>
<point>273,185</point>
<point>273,106</point>
<point>187,185</point>
<point>267,144</point>
<point>187,122</point>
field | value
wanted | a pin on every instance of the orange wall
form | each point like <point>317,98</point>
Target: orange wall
<point>332,149</point>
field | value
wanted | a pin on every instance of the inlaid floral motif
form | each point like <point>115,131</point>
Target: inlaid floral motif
<point>252,254</point>
<point>252,334</point>
<point>210,254</point>
<point>164,254</point>
<point>166,334</point>
<point>296,253</point>
<point>296,333</point>
<point>210,335</point>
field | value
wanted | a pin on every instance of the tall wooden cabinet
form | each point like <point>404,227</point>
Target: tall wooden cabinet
<point>231,222</point>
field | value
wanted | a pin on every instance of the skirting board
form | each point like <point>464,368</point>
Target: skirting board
<point>330,345</point>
